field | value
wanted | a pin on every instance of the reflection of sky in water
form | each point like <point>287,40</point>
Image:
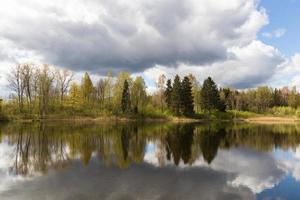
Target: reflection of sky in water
<point>289,186</point>
<point>263,173</point>
<point>235,173</point>
<point>6,162</point>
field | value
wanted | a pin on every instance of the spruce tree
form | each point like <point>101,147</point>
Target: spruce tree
<point>210,97</point>
<point>187,98</point>
<point>168,94</point>
<point>125,101</point>
<point>176,96</point>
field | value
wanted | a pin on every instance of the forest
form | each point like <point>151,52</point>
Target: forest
<point>40,92</point>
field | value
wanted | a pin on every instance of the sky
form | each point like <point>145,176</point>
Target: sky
<point>239,43</point>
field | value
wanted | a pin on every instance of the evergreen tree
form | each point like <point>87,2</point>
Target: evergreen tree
<point>187,98</point>
<point>168,94</point>
<point>176,95</point>
<point>210,97</point>
<point>125,101</point>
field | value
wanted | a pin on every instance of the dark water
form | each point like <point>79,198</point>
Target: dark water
<point>149,161</point>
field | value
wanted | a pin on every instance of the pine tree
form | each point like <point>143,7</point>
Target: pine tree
<point>187,98</point>
<point>168,94</point>
<point>125,101</point>
<point>176,96</point>
<point>210,97</point>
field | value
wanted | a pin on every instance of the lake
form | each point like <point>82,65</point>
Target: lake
<point>75,161</point>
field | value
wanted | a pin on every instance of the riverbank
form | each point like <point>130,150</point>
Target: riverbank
<point>272,120</point>
<point>229,116</point>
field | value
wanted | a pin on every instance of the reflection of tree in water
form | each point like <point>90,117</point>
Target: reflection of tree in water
<point>125,142</point>
<point>178,143</point>
<point>209,143</point>
<point>39,147</point>
<point>36,150</point>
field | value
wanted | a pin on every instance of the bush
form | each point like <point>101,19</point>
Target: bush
<point>242,114</point>
<point>282,111</point>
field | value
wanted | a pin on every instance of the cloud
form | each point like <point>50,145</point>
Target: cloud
<point>129,35</point>
<point>288,73</point>
<point>278,33</point>
<point>248,66</point>
<point>263,174</point>
<point>206,38</point>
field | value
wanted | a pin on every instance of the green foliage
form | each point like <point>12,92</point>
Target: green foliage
<point>242,114</point>
<point>210,98</point>
<point>282,111</point>
<point>187,99</point>
<point>87,89</point>
<point>176,96</point>
<point>168,94</point>
<point>125,101</point>
<point>41,92</point>
<point>263,98</point>
<point>294,98</point>
<point>138,95</point>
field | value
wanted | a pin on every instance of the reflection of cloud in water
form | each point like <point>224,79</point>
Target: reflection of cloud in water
<point>289,161</point>
<point>255,170</point>
<point>6,162</point>
<point>137,182</point>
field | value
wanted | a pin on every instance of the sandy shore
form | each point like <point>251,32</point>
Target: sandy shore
<point>273,120</point>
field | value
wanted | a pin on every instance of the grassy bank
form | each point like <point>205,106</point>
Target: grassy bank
<point>278,115</point>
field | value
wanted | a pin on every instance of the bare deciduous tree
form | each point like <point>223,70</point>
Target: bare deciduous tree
<point>16,84</point>
<point>64,77</point>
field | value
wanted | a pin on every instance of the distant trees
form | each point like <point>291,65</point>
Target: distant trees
<point>294,98</point>
<point>263,98</point>
<point>42,90</point>
<point>179,97</point>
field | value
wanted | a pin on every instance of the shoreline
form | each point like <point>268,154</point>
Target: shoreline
<point>111,119</point>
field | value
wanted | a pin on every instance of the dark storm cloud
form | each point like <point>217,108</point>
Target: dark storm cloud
<point>92,47</point>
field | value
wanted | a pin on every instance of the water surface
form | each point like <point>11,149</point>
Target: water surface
<point>149,161</point>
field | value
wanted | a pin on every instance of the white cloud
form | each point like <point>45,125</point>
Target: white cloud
<point>288,74</point>
<point>278,33</point>
<point>203,37</point>
<point>248,66</point>
<point>264,172</point>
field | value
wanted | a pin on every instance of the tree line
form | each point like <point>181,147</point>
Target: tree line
<point>38,91</point>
